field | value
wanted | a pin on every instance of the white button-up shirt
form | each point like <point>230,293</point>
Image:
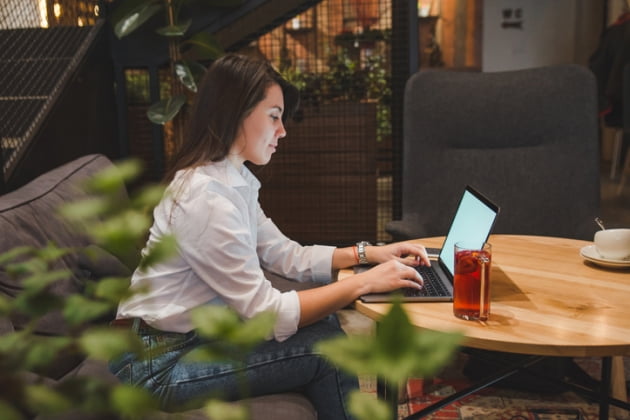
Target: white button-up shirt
<point>224,240</point>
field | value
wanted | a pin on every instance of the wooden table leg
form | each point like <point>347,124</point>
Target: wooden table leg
<point>618,386</point>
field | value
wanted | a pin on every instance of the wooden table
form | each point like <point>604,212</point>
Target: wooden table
<point>546,300</point>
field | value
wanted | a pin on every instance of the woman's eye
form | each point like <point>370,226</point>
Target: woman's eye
<point>275,117</point>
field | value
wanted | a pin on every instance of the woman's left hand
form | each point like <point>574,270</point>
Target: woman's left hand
<point>408,253</point>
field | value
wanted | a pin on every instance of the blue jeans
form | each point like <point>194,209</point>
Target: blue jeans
<point>272,367</point>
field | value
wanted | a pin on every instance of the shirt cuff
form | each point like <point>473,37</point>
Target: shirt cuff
<point>288,316</point>
<point>322,263</point>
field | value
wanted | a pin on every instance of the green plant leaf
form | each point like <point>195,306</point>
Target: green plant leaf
<point>413,353</point>
<point>118,230</point>
<point>15,253</point>
<point>5,306</point>
<point>175,30</point>
<point>212,321</point>
<point>9,412</point>
<point>254,330</point>
<point>40,280</point>
<point>149,197</point>
<point>230,336</point>
<point>79,309</point>
<point>221,322</point>
<point>133,402</point>
<point>202,46</point>
<point>365,407</point>
<point>111,179</point>
<point>197,69</point>
<point>30,266</point>
<point>45,399</point>
<point>185,75</point>
<point>395,333</point>
<point>105,344</point>
<point>128,22</point>
<point>89,394</point>
<point>51,252</point>
<point>166,247</point>
<point>13,346</point>
<point>84,209</point>
<point>36,304</point>
<point>44,350</point>
<point>113,289</point>
<point>353,353</point>
<point>216,409</point>
<point>166,109</point>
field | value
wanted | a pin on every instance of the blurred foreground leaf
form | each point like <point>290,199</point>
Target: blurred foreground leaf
<point>109,180</point>
<point>106,343</point>
<point>230,338</point>
<point>112,289</point>
<point>78,309</point>
<point>10,413</point>
<point>396,352</point>
<point>133,402</point>
<point>365,406</point>
<point>159,252</point>
<point>44,399</point>
<point>213,321</point>
<point>216,409</point>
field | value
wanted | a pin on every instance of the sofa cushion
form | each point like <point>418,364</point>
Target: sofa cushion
<point>267,407</point>
<point>28,217</point>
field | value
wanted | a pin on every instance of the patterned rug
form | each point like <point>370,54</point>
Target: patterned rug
<point>498,403</point>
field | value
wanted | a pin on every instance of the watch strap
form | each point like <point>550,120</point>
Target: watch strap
<point>361,252</point>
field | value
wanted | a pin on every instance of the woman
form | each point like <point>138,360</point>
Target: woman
<point>224,243</point>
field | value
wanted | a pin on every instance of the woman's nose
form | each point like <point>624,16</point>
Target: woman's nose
<point>281,131</point>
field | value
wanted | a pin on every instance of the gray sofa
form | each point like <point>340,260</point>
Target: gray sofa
<point>27,217</point>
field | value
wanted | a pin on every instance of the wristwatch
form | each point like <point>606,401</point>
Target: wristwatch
<point>361,252</point>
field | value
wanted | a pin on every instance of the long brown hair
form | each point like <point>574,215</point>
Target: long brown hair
<point>231,88</point>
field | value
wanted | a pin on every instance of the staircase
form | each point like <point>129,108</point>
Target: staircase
<point>57,97</point>
<point>53,99</point>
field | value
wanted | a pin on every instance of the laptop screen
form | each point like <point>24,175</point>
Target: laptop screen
<point>473,221</point>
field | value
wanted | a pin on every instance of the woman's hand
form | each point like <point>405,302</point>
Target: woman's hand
<point>388,276</point>
<point>395,269</point>
<point>408,253</point>
<point>318,302</point>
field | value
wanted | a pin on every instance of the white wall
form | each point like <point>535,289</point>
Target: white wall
<point>537,33</point>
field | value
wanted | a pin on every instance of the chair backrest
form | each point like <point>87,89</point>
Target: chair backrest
<point>528,139</point>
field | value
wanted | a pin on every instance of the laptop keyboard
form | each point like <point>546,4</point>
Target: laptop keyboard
<point>432,285</point>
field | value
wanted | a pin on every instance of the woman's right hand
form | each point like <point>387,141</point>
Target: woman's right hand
<point>390,275</point>
<point>319,302</point>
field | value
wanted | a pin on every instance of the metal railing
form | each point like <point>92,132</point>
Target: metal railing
<point>38,45</point>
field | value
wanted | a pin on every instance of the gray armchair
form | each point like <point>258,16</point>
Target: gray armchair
<point>528,139</point>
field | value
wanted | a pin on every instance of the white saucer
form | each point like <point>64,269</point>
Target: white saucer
<point>590,254</point>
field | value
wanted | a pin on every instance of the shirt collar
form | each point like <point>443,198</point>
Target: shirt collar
<point>232,176</point>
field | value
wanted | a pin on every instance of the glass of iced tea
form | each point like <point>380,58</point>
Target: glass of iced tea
<point>471,284</point>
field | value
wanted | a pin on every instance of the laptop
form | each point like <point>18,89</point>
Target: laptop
<point>473,221</point>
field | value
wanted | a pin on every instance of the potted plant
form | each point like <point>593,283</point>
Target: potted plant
<point>186,50</point>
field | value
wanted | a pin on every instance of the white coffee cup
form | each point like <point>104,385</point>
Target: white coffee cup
<point>613,244</point>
